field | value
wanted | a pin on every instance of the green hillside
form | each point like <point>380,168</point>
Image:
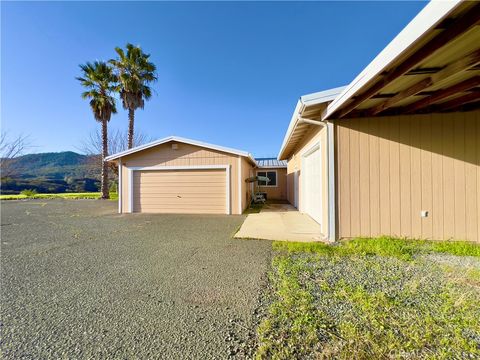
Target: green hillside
<point>53,172</point>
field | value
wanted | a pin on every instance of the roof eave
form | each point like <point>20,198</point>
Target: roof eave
<point>432,14</point>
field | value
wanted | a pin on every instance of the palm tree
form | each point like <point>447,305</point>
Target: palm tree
<point>100,81</point>
<point>135,73</point>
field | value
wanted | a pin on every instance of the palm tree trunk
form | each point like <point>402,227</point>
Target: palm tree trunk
<point>105,193</point>
<point>131,120</point>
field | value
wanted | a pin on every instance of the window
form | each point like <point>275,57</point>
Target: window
<point>272,175</point>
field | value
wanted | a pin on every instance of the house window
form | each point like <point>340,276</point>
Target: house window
<point>272,175</point>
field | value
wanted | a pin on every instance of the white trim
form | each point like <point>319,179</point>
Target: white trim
<point>332,223</point>
<point>267,171</point>
<point>426,20</point>
<point>182,140</point>
<point>119,189</point>
<point>227,169</point>
<point>240,195</point>
<point>130,190</point>
<point>181,167</point>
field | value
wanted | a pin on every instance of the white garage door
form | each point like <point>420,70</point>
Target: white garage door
<point>180,191</point>
<point>312,185</point>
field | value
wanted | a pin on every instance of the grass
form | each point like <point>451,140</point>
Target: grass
<point>373,298</point>
<point>384,246</point>
<point>253,209</point>
<point>88,195</point>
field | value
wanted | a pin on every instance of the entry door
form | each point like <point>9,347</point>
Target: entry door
<point>312,184</point>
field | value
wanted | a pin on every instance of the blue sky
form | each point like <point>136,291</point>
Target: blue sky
<point>229,73</point>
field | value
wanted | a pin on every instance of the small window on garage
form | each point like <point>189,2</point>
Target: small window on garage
<point>272,175</point>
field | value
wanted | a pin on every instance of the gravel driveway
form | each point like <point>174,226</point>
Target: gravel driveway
<point>80,281</point>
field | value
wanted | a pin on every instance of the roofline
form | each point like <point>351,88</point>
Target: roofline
<point>182,140</point>
<point>272,167</point>
<point>304,101</point>
<point>432,14</point>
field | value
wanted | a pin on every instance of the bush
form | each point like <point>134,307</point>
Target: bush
<point>29,192</point>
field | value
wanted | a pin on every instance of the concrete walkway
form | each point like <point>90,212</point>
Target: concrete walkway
<point>280,222</point>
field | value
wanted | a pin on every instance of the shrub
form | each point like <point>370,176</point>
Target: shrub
<point>29,192</point>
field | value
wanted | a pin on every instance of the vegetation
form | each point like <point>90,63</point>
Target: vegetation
<point>28,192</point>
<point>73,196</point>
<point>100,81</point>
<point>373,298</point>
<point>135,73</point>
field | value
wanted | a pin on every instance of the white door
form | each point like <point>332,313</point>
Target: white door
<point>312,184</point>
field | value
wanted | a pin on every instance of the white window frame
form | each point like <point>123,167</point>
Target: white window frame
<point>227,169</point>
<point>267,171</point>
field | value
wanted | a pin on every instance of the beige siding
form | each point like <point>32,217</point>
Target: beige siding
<point>318,134</point>
<point>186,155</point>
<point>180,191</point>
<point>247,171</point>
<point>278,192</point>
<point>391,168</point>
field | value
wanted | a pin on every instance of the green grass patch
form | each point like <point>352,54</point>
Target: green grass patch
<point>253,209</point>
<point>383,246</point>
<point>89,195</point>
<point>373,299</point>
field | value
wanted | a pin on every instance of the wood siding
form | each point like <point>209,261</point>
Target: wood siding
<point>278,192</point>
<point>247,171</point>
<point>389,169</point>
<point>185,155</point>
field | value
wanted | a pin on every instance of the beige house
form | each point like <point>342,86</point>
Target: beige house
<point>397,151</point>
<point>178,175</point>
<point>276,171</point>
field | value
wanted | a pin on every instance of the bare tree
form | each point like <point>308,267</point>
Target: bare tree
<point>10,149</point>
<point>117,142</point>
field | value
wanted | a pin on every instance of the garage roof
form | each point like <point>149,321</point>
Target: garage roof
<point>432,65</point>
<point>182,140</point>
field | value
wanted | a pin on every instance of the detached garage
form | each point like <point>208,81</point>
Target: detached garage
<point>178,175</point>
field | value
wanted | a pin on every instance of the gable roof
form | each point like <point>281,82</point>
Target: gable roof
<point>270,163</point>
<point>181,140</point>
<point>310,105</point>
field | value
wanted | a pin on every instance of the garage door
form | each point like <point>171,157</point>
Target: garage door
<point>312,185</point>
<point>180,191</point>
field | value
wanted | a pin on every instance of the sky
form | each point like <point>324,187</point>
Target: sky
<point>229,73</point>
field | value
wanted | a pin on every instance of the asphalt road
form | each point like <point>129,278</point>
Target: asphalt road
<point>80,281</point>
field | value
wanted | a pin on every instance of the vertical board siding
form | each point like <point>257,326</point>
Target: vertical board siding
<point>391,168</point>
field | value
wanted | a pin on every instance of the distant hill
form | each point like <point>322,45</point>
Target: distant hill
<point>53,172</point>
<point>54,165</point>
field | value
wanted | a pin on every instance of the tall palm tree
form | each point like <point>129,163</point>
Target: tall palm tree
<point>100,81</point>
<point>135,73</point>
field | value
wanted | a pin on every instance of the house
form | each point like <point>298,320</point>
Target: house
<point>276,171</point>
<point>397,151</point>
<point>178,175</point>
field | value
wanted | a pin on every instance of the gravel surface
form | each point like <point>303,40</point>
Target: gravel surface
<point>80,281</point>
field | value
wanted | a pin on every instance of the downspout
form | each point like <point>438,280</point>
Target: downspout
<point>331,236</point>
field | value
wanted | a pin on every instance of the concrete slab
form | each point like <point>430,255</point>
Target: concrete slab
<point>280,222</point>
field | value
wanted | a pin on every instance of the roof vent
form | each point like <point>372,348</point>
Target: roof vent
<point>174,146</point>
